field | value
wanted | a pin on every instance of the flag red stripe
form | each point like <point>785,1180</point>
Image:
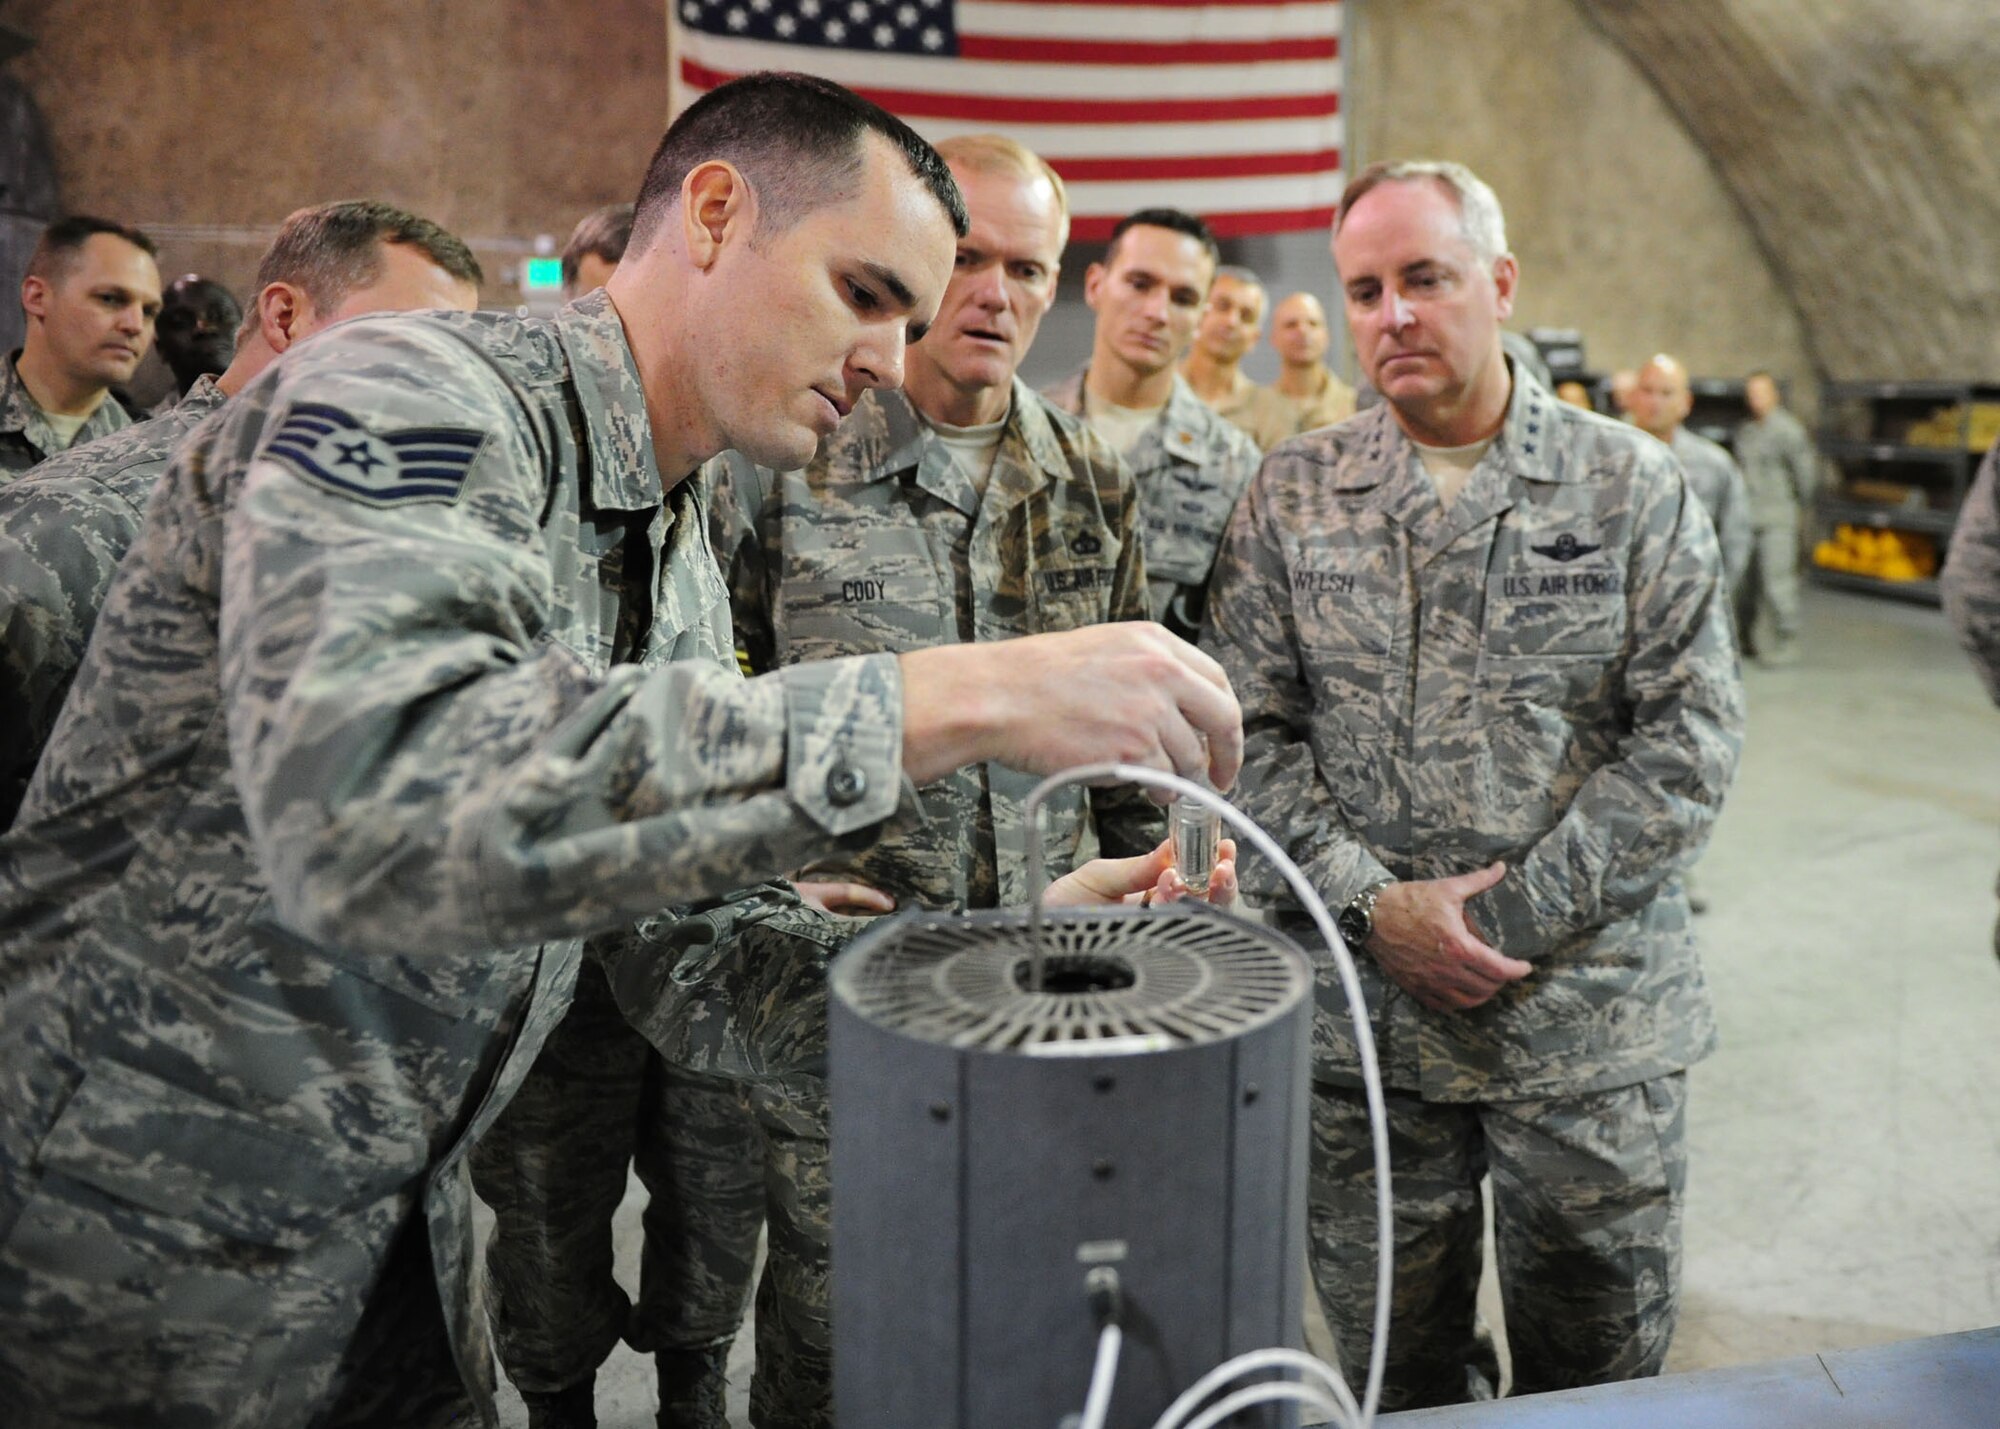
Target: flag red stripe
<point>1211,166</point>
<point>1224,225</point>
<point>911,104</point>
<point>1142,52</point>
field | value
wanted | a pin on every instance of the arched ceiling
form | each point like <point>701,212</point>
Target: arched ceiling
<point>1862,139</point>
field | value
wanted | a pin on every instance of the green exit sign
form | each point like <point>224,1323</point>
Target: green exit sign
<point>541,273</point>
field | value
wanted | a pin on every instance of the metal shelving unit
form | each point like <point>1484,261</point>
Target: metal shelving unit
<point>1864,437</point>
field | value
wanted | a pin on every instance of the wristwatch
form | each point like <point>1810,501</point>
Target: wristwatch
<point>1357,920</point>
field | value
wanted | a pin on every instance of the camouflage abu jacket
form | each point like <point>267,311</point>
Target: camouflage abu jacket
<point>64,527</point>
<point>883,544</point>
<point>1190,470</point>
<point>26,439</point>
<point>1543,674</point>
<point>419,596</point>
<point>1718,482</point>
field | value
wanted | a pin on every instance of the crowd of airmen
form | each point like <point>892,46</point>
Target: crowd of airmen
<point>447,755</point>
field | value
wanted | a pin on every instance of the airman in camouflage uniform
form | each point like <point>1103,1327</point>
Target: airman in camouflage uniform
<point>1660,404</point>
<point>1970,583</point>
<point>63,529</point>
<point>886,542</point>
<point>1780,473</point>
<point>90,296</point>
<point>65,526</point>
<point>1493,728</point>
<point>1190,464</point>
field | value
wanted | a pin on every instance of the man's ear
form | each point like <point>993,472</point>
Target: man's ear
<point>717,208</point>
<point>1093,284</point>
<point>35,296</point>
<point>1506,278</point>
<point>284,315</point>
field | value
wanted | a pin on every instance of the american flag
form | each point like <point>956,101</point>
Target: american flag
<point>1227,108</point>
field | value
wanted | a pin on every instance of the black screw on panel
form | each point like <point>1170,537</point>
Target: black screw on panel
<point>940,1111</point>
<point>1104,1081</point>
<point>1104,1170</point>
<point>1251,1093</point>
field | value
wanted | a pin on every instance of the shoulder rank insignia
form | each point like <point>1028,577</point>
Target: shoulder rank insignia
<point>1566,548</point>
<point>332,450</point>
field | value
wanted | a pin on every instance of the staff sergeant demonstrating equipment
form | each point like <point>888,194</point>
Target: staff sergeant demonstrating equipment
<point>1491,707</point>
<point>418,675</point>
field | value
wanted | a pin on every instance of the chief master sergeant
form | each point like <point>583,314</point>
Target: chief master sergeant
<point>419,674</point>
<point>1491,703</point>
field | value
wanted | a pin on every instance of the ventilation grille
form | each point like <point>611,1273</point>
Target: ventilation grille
<point>1117,979</point>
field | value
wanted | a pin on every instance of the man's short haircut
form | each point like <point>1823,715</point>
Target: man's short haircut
<point>1168,218</point>
<point>997,154</point>
<point>331,249</point>
<point>602,233</point>
<point>797,139</point>
<point>1479,215</point>
<point>62,240</point>
<point>1238,273</point>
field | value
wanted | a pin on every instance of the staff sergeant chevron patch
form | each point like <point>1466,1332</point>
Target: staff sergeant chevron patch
<point>331,449</point>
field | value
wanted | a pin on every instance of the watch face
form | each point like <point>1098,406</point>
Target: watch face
<point>1354,925</point>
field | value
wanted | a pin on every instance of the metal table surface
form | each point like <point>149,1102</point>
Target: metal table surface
<point>1945,1382</point>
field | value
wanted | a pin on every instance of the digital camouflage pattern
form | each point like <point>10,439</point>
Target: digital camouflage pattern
<point>1190,470</point>
<point>1333,402</point>
<point>1588,1194</point>
<point>883,544</point>
<point>26,439</point>
<point>1970,583</point>
<point>63,529</point>
<point>1545,674</point>
<point>1718,482</point>
<point>1780,468</point>
<point>1260,413</point>
<point>245,1037</point>
<point>1780,474</point>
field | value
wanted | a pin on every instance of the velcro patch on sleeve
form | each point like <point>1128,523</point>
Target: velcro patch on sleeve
<point>334,451</point>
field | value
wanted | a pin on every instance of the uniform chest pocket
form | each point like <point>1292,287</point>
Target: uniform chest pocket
<point>880,609</point>
<point>1347,634</point>
<point>1532,613</point>
<point>1068,597</point>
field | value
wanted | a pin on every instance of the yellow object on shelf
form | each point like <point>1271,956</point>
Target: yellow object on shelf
<point>1885,554</point>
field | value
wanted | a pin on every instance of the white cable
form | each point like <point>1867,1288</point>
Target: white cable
<point>1350,982</point>
<point>1097,1404</point>
<point>1252,1362</point>
<point>1271,1392</point>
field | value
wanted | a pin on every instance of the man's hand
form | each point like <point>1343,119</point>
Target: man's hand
<point>1128,692</point>
<point>854,900</point>
<point>1424,943</point>
<point>1149,878</point>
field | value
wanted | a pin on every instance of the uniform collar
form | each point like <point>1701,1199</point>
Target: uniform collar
<point>624,471</point>
<point>203,397</point>
<point>895,441</point>
<point>1185,423</point>
<point>20,412</point>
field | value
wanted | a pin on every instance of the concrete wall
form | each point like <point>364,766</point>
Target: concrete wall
<point>207,121</point>
<point>1862,139</point>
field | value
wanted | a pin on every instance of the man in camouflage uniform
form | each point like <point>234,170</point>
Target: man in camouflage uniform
<point>1970,582</point>
<point>1312,395</point>
<point>1491,705</point>
<point>1661,401</point>
<point>1191,465</point>
<point>91,294</point>
<point>1230,325</point>
<point>418,674</point>
<point>1780,473</point>
<point>65,525</point>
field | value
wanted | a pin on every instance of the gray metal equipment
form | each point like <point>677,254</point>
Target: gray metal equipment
<point>993,1144</point>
